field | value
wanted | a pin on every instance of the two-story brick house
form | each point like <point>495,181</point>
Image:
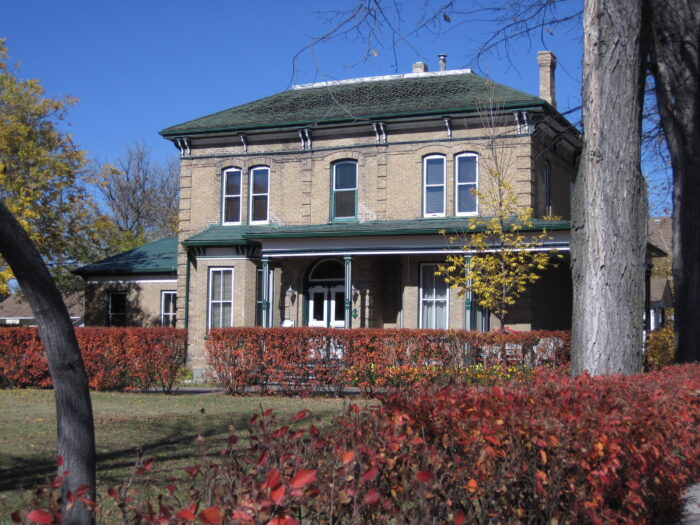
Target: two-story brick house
<point>323,205</point>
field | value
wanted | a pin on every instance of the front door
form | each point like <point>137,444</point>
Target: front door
<point>327,306</point>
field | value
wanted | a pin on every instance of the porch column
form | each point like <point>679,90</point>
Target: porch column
<point>348,291</point>
<point>265,292</point>
<point>467,299</point>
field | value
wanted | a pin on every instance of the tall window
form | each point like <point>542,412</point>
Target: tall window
<point>466,180</point>
<point>168,308</point>
<point>220,297</point>
<point>116,313</point>
<point>259,194</point>
<point>433,298</point>
<point>344,198</point>
<point>434,186</point>
<point>232,196</point>
<point>547,190</point>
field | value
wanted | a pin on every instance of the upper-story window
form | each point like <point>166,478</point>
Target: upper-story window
<point>232,196</point>
<point>434,186</point>
<point>344,191</point>
<point>547,189</point>
<point>466,182</point>
<point>259,194</point>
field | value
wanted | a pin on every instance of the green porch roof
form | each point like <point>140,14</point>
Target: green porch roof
<point>158,257</point>
<point>396,96</point>
<point>218,235</point>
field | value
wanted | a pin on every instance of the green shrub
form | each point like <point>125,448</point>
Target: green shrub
<point>660,348</point>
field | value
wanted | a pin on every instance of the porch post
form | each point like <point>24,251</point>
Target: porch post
<point>467,299</point>
<point>348,291</point>
<point>265,292</point>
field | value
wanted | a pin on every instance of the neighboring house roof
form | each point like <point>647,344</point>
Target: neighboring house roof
<point>661,233</point>
<point>16,307</point>
<point>154,258</point>
<point>218,235</point>
<point>660,291</point>
<point>396,96</point>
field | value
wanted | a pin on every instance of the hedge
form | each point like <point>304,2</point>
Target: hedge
<point>612,449</point>
<point>297,359</point>
<point>115,358</point>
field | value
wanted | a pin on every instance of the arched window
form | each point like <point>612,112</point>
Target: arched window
<point>231,196</point>
<point>259,194</point>
<point>466,183</point>
<point>344,190</point>
<point>434,186</point>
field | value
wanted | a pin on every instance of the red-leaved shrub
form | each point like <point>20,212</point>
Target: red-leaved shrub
<point>115,358</point>
<point>615,449</point>
<point>298,359</point>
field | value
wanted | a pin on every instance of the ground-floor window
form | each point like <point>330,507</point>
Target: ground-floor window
<point>220,297</point>
<point>433,311</point>
<point>116,310</point>
<point>168,308</point>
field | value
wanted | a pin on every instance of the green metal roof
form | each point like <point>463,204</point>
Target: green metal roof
<point>218,235</point>
<point>363,99</point>
<point>158,257</point>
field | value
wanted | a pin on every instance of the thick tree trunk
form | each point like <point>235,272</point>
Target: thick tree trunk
<point>76,436</point>
<point>609,201</point>
<point>675,65</point>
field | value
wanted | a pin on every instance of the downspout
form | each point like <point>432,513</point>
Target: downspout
<point>187,292</point>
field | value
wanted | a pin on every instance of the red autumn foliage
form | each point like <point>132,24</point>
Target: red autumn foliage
<point>615,449</point>
<point>115,358</point>
<point>295,360</point>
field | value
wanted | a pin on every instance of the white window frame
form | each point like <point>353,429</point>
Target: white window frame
<point>225,196</point>
<point>252,194</point>
<point>163,313</point>
<point>211,301</point>
<point>334,217</point>
<point>433,267</point>
<point>109,308</point>
<point>458,184</point>
<point>426,186</point>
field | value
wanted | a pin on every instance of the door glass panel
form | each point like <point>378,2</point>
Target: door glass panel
<point>319,306</point>
<point>339,314</point>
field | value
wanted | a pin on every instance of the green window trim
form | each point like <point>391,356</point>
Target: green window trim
<point>343,190</point>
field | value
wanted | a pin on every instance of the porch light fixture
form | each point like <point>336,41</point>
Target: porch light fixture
<point>291,294</point>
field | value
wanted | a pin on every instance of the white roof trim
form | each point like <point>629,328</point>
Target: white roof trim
<point>384,77</point>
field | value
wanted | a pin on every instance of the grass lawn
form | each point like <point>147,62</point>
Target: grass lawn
<point>163,427</point>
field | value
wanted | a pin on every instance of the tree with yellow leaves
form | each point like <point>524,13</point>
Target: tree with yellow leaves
<point>39,175</point>
<point>503,249</point>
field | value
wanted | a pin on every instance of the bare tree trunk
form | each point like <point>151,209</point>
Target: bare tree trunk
<point>675,65</point>
<point>76,436</point>
<point>609,201</point>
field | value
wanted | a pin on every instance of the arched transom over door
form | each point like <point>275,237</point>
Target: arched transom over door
<point>326,294</point>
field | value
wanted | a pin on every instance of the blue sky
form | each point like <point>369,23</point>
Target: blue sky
<point>140,66</point>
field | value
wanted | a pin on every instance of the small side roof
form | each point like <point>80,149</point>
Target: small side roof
<point>158,257</point>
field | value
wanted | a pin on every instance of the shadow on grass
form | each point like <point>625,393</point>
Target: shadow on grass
<point>172,450</point>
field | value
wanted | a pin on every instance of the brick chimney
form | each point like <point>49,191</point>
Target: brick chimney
<point>420,67</point>
<point>548,63</point>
